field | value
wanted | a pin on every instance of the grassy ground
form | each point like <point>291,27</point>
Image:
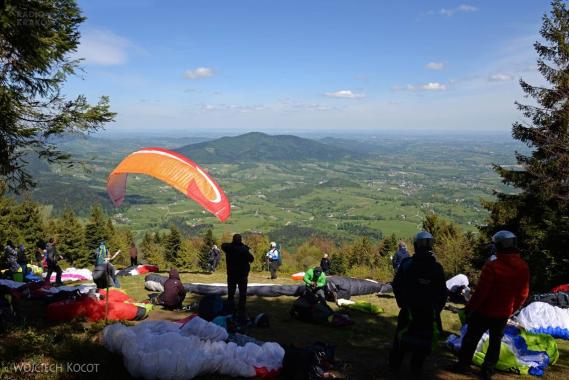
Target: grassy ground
<point>364,345</point>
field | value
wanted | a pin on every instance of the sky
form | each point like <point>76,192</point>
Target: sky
<point>189,67</point>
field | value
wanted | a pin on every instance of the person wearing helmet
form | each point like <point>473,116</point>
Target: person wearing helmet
<point>273,258</point>
<point>420,291</point>
<point>502,289</point>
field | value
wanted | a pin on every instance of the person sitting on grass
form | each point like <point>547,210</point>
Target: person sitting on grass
<point>315,281</point>
<point>174,292</point>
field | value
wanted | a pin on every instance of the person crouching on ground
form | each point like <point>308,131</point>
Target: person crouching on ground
<point>315,281</point>
<point>238,260</point>
<point>502,289</point>
<point>420,291</point>
<point>174,292</point>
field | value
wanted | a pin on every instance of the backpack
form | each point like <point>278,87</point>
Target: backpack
<point>100,254</point>
<point>306,308</point>
<point>210,306</point>
<point>280,257</point>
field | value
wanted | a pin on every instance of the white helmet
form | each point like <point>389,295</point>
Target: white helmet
<point>273,244</point>
<point>504,240</point>
<point>424,240</point>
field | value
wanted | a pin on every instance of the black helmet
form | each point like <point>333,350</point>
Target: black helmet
<point>504,240</point>
<point>424,240</point>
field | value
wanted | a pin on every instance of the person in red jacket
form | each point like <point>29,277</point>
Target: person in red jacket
<point>502,289</point>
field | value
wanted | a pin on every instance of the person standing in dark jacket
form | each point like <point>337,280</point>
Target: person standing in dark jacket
<point>420,290</point>
<point>174,292</point>
<point>52,266</point>
<point>22,259</point>
<point>238,260</point>
<point>11,257</point>
<point>502,289</point>
<point>325,264</point>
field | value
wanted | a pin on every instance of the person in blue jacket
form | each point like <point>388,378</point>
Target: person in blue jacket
<point>400,255</point>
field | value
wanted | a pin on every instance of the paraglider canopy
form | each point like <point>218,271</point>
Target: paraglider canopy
<point>174,169</point>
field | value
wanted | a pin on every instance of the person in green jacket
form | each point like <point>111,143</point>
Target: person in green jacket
<point>315,281</point>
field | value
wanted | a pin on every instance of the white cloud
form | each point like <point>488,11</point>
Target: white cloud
<point>199,72</point>
<point>500,77</point>
<point>462,8</point>
<point>435,65</point>
<point>103,47</point>
<point>346,94</point>
<point>430,86</point>
<point>433,86</point>
<point>467,8</point>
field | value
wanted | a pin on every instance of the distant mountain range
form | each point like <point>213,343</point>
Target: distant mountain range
<point>257,146</point>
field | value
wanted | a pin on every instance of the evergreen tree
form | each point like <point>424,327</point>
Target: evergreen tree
<point>538,212</point>
<point>172,245</point>
<point>38,39</point>
<point>96,229</point>
<point>362,253</point>
<point>6,227</point>
<point>339,264</point>
<point>453,248</point>
<point>152,253</point>
<point>26,223</point>
<point>388,245</point>
<point>208,242</point>
<point>71,240</point>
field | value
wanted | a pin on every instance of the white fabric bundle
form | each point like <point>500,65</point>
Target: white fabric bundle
<point>459,279</point>
<point>164,350</point>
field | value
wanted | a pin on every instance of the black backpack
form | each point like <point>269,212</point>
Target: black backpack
<point>210,306</point>
<point>307,308</point>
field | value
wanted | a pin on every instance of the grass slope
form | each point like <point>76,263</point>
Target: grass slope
<point>365,345</point>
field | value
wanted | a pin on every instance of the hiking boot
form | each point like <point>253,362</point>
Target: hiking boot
<point>486,373</point>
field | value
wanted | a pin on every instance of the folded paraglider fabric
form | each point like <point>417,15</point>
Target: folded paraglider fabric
<point>561,288</point>
<point>297,276</point>
<point>345,285</point>
<point>136,270</point>
<point>458,280</point>
<point>540,317</point>
<point>92,308</point>
<point>521,352</point>
<point>559,299</point>
<point>164,350</point>
<point>74,274</point>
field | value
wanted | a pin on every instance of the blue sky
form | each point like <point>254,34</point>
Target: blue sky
<point>309,65</point>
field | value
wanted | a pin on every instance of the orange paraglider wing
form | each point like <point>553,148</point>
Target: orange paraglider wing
<point>174,169</point>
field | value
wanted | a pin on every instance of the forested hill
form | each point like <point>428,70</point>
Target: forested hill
<point>260,147</point>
